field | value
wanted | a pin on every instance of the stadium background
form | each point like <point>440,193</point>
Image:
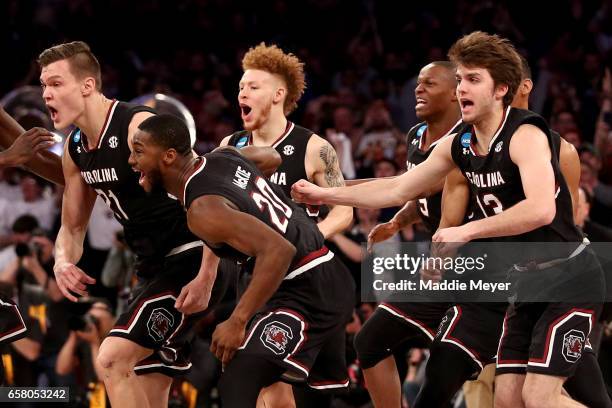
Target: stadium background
<point>361,57</point>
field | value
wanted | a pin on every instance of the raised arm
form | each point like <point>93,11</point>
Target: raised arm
<point>43,163</point>
<point>216,221</point>
<point>383,193</point>
<point>77,204</point>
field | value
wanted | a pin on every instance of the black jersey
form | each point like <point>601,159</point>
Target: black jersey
<point>292,148</point>
<point>429,208</point>
<point>227,173</point>
<point>495,181</point>
<point>154,223</point>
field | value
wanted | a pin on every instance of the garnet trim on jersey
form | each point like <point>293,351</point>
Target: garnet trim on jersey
<point>288,129</point>
<point>107,122</point>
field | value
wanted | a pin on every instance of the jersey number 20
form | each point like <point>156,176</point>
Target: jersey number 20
<point>265,198</point>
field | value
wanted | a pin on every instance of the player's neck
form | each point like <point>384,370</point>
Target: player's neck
<point>436,128</point>
<point>175,176</point>
<point>487,127</point>
<point>273,129</point>
<point>92,120</point>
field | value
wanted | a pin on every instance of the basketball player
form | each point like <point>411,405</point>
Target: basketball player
<point>438,107</point>
<point>524,204</point>
<point>270,88</point>
<point>44,163</point>
<point>297,302</point>
<point>272,84</point>
<point>152,336</point>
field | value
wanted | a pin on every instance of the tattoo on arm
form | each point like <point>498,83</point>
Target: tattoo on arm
<point>333,175</point>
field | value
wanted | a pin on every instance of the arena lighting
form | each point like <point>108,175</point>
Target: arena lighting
<point>167,104</point>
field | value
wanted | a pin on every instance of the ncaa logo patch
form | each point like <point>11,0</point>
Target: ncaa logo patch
<point>275,336</point>
<point>113,142</point>
<point>573,342</point>
<point>421,130</point>
<point>159,324</point>
<point>77,136</point>
<point>498,146</point>
<point>242,142</point>
<point>288,150</point>
<point>466,139</point>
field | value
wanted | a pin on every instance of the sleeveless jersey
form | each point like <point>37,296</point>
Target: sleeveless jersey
<point>429,208</point>
<point>227,173</point>
<point>153,222</point>
<point>495,181</point>
<point>292,148</point>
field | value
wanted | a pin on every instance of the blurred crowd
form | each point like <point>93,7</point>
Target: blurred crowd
<point>361,57</point>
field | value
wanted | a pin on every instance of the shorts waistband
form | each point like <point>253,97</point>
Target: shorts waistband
<point>549,264</point>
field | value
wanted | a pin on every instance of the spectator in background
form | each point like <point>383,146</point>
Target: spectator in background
<point>590,155</point>
<point>386,168</point>
<point>22,232</point>
<point>594,231</point>
<point>344,136</point>
<point>33,261</point>
<point>9,184</point>
<point>78,355</point>
<point>573,136</point>
<point>32,202</point>
<point>563,122</point>
<point>118,272</point>
<point>380,136</point>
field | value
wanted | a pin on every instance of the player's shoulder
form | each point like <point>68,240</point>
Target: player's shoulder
<point>316,142</point>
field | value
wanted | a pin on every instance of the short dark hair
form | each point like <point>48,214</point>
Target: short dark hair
<point>82,61</point>
<point>169,132</point>
<point>444,64</point>
<point>25,223</point>
<point>495,54</point>
<point>525,68</point>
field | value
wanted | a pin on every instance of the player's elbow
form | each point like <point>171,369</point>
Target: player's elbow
<point>545,214</point>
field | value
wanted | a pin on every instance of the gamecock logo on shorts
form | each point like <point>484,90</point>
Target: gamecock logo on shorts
<point>573,342</point>
<point>276,336</point>
<point>159,324</point>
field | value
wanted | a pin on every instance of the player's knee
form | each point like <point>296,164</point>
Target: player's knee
<point>505,399</point>
<point>370,350</point>
<point>113,359</point>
